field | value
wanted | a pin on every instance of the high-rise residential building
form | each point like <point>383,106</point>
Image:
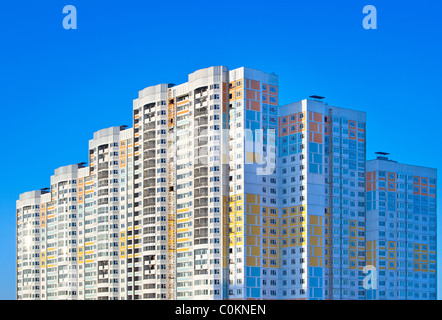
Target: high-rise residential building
<point>217,192</point>
<point>180,188</point>
<point>401,229</point>
<point>322,201</point>
<point>71,236</point>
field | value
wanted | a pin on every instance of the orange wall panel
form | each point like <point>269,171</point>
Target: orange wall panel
<point>251,94</point>
<point>254,84</point>
<point>317,117</point>
<point>255,106</point>
<point>317,137</point>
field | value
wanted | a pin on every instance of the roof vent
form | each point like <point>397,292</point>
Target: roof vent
<point>382,155</point>
<point>81,165</point>
<point>317,98</point>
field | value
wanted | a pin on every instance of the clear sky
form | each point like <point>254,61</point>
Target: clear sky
<point>58,86</point>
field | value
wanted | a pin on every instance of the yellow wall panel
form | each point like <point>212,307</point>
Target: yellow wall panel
<point>251,198</point>
<point>317,251</point>
<point>255,209</point>
<point>255,251</point>
<point>251,219</point>
<point>314,241</point>
<point>317,231</point>
<point>255,230</point>
<point>313,262</point>
<point>313,219</point>
<point>251,241</point>
<point>251,261</point>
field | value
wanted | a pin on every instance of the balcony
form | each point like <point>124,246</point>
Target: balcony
<point>201,233</point>
<point>103,174</point>
<point>149,145</point>
<point>103,201</point>
<point>201,223</point>
<point>150,173</point>
<point>201,157</point>
<point>149,154</point>
<point>149,125</point>
<point>149,183</point>
<point>201,112</point>
<point>103,183</point>
<point>203,202</point>
<point>200,182</point>
<point>149,163</point>
<point>148,211</point>
<point>150,135</point>
<point>201,192</point>
<point>201,121</point>
<point>199,172</point>
<point>201,132</point>
<point>201,140</point>
<point>103,192</point>
<point>201,212</point>
<point>150,190</point>
<point>149,202</point>
<point>201,143</point>
<point>103,166</point>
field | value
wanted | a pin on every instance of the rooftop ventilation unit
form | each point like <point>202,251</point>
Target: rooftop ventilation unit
<point>318,98</point>
<point>382,155</point>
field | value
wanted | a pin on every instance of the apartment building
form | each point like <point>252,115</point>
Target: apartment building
<point>178,135</point>
<point>297,195</point>
<point>28,246</point>
<point>217,192</point>
<point>71,236</point>
<point>401,229</point>
<point>322,170</point>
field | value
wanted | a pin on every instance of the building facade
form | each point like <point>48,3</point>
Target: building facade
<point>69,236</point>
<point>401,229</point>
<point>322,185</point>
<point>217,192</point>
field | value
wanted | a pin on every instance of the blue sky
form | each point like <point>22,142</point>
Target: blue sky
<point>58,86</point>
